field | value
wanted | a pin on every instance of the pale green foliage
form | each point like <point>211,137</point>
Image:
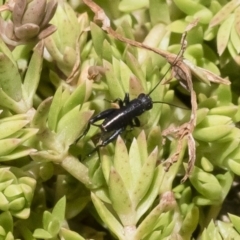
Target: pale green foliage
<point>50,188</point>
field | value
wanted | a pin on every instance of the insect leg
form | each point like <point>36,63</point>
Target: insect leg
<point>126,99</point>
<point>98,117</point>
<point>101,116</point>
<point>108,140</point>
<point>136,122</point>
<point>121,102</point>
<point>111,138</point>
<point>117,100</point>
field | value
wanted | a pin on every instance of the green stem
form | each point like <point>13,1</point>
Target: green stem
<point>77,169</point>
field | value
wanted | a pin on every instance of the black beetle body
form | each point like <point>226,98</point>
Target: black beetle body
<point>127,113</point>
<point>116,120</point>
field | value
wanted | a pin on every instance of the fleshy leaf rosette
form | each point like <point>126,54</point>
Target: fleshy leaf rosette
<point>54,224</point>
<point>30,21</point>
<point>16,192</point>
<point>129,206</point>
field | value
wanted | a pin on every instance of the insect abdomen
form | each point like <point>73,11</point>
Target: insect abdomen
<point>123,117</point>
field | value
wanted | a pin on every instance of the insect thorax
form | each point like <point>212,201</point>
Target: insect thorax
<point>146,101</point>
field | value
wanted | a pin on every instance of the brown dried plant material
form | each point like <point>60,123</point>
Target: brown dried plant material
<point>94,72</point>
<point>183,74</point>
<point>182,69</point>
<point>29,22</point>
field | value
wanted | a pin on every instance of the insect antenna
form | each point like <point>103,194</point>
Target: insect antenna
<point>170,104</point>
<point>175,61</point>
<point>180,53</point>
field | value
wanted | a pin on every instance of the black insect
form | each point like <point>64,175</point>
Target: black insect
<point>115,121</point>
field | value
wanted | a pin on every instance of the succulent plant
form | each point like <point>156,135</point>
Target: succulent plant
<point>29,21</point>
<point>64,46</point>
<point>16,192</point>
<point>64,61</point>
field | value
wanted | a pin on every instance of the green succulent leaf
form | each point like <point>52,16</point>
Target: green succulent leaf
<point>9,103</point>
<point>159,11</point>
<point>227,231</point>
<point>226,181</point>
<point>136,69</point>
<point>62,45</point>
<point>125,75</point>
<point>47,219</point>
<point>68,30</point>
<point>234,166</point>
<point>98,37</point>
<point>71,125</point>
<point>4,202</point>
<point>177,26</point>
<point>149,222</point>
<point>145,177</point>
<point>129,6</point>
<point>211,233</point>
<point>152,193</point>
<point>75,99</point>
<point>135,162</point>
<point>206,184</point>
<point>9,236</point>
<point>8,128</point>
<point>10,80</point>
<point>107,51</point>
<point>6,175</point>
<point>22,214</point>
<point>42,234</point>
<point>40,118</point>
<point>229,111</point>
<point>224,13</point>
<point>8,145</point>
<point>33,74</point>
<point>107,217</point>
<point>235,221</point>
<point>224,34</point>
<point>54,227</point>
<point>20,152</point>
<point>204,15</point>
<point>237,18</point>
<point>54,111</point>
<point>234,37</point>
<point>115,88</point>
<point>70,235</point>
<point>120,199</point>
<point>157,36</point>
<point>122,164</point>
<point>17,204</point>
<point>206,165</point>
<point>12,191</point>
<point>6,221</point>
<point>106,164</point>
<point>213,120</point>
<point>154,137</point>
<point>189,7</point>
<point>142,143</point>
<point>190,222</point>
<point>59,209</point>
<point>211,134</point>
<point>224,149</point>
